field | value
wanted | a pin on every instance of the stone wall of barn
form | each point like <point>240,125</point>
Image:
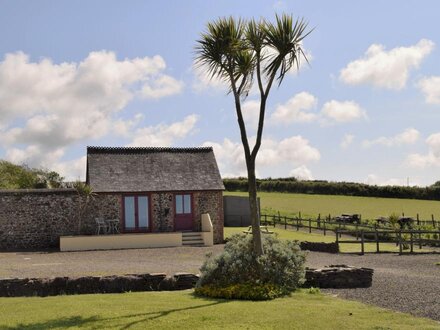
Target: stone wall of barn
<point>162,212</point>
<point>34,219</point>
<point>209,202</point>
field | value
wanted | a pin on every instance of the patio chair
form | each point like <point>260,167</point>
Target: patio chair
<point>101,224</point>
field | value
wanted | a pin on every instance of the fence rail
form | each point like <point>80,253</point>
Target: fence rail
<point>363,233</point>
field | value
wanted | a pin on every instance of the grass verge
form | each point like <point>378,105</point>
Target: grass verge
<point>182,310</point>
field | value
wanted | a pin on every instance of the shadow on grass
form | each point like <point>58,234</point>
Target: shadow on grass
<point>97,321</point>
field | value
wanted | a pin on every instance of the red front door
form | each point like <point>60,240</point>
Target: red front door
<point>183,216</point>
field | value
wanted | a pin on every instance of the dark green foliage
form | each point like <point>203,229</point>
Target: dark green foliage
<point>291,185</point>
<point>244,291</point>
<point>23,177</point>
<point>279,271</point>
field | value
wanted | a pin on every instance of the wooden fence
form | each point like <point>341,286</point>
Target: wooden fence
<point>363,233</point>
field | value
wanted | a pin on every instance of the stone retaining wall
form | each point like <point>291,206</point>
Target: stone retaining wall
<point>93,284</point>
<point>339,277</point>
<point>334,276</point>
<point>320,247</point>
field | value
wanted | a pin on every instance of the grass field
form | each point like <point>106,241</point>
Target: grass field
<point>319,237</point>
<point>181,310</point>
<point>368,207</point>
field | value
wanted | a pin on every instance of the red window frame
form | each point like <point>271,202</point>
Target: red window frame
<point>183,202</point>
<point>137,229</point>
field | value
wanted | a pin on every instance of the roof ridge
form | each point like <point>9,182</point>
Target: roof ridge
<point>100,149</point>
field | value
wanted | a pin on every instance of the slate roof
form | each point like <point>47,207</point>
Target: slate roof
<point>152,169</point>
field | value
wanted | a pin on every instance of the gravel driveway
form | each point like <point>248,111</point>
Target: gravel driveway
<point>403,283</point>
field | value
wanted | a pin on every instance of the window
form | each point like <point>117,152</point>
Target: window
<point>136,213</point>
<point>183,204</point>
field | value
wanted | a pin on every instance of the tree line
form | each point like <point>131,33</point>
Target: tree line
<point>292,185</point>
<point>24,177</point>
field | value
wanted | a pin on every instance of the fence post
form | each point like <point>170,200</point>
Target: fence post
<point>357,233</point>
<point>340,229</point>
<point>285,222</point>
<point>297,224</point>
<point>420,240</point>
<point>433,222</point>
<point>274,219</point>
<point>376,234</point>
<point>403,214</point>
<point>319,220</point>
<point>299,214</point>
<point>400,242</point>
<point>337,236</point>
<point>265,219</point>
<point>362,243</point>
<point>411,241</point>
<point>418,220</point>
<point>324,229</point>
<point>310,225</point>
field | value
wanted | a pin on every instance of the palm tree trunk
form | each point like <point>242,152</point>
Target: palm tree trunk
<point>255,217</point>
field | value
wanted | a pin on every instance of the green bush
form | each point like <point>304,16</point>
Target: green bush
<point>237,273</point>
<point>242,291</point>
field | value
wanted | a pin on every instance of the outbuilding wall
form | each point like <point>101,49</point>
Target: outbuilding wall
<point>35,219</point>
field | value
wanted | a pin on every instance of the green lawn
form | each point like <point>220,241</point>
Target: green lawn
<point>181,310</point>
<point>368,207</point>
<point>316,237</point>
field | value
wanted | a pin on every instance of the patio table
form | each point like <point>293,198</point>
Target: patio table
<point>113,226</point>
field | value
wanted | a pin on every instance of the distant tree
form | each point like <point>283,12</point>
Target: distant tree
<point>238,51</point>
<point>436,184</point>
<point>23,177</point>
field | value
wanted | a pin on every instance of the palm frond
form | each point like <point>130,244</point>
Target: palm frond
<point>285,38</point>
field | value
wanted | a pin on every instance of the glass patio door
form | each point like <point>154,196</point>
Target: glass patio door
<point>136,213</point>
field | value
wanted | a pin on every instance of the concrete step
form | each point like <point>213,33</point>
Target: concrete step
<point>192,239</point>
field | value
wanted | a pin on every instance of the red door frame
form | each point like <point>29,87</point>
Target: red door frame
<point>185,216</point>
<point>136,216</point>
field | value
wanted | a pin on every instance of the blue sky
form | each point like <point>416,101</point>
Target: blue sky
<point>121,73</point>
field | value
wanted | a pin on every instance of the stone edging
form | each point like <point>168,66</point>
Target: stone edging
<point>334,276</point>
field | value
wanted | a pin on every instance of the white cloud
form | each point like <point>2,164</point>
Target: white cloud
<point>251,113</point>
<point>163,135</point>
<point>68,102</point>
<point>292,151</point>
<point>408,136</point>
<point>347,140</point>
<point>162,87</point>
<point>46,107</point>
<point>342,111</point>
<point>301,173</point>
<point>296,109</point>
<point>432,158</point>
<point>374,179</point>
<point>202,81</point>
<point>386,69</point>
<point>430,87</point>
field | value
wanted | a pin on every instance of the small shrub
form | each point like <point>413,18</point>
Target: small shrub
<point>313,290</point>
<point>237,273</point>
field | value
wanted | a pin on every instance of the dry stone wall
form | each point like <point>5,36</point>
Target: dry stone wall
<point>34,219</point>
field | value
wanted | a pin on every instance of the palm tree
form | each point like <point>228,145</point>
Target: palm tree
<point>238,52</point>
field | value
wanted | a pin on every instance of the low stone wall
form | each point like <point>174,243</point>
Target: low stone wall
<point>93,284</point>
<point>35,219</point>
<point>320,247</point>
<point>339,277</point>
<point>334,276</point>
